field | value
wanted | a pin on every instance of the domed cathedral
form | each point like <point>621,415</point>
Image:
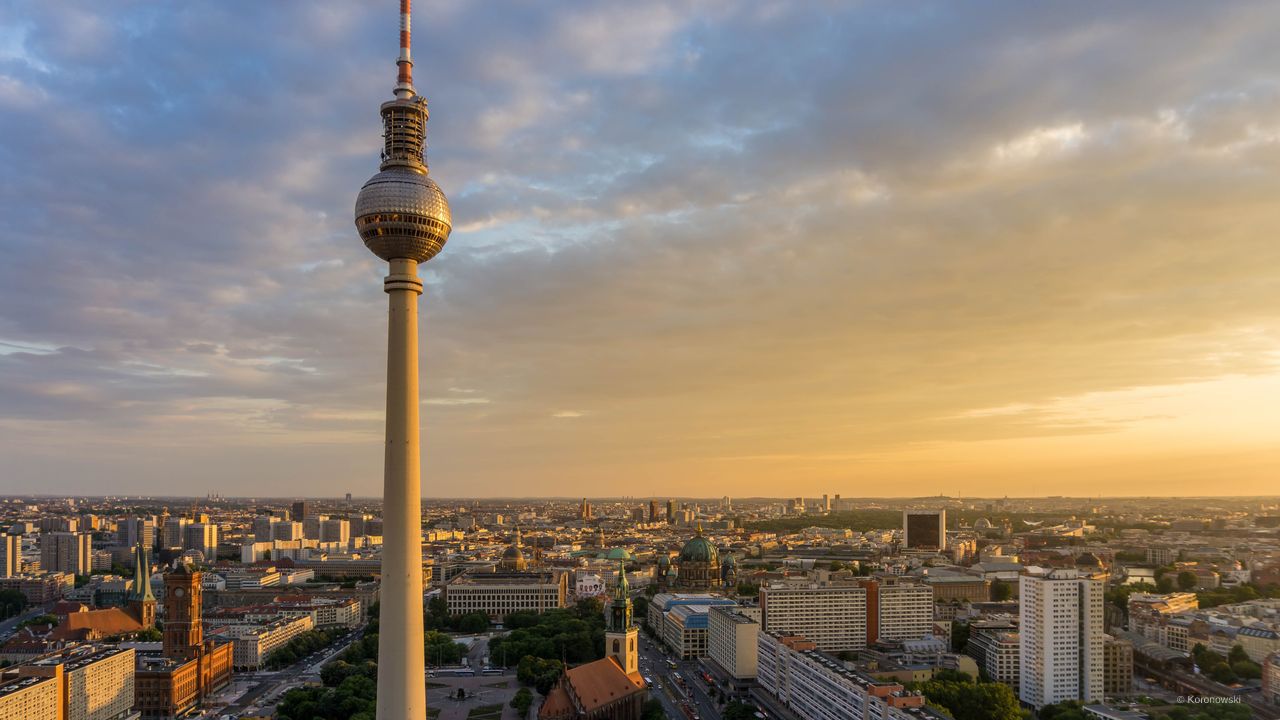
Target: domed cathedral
<point>729,571</point>
<point>699,564</point>
<point>513,559</point>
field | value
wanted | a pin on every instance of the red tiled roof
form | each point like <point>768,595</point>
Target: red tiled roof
<point>94,624</point>
<point>602,682</point>
<point>556,705</point>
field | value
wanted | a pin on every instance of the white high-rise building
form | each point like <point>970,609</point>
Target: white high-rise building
<point>1060,638</point>
<point>834,617</point>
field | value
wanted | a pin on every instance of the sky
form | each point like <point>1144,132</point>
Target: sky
<point>701,248</point>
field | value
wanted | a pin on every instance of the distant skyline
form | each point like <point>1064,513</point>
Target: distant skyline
<point>619,498</point>
<point>758,249</point>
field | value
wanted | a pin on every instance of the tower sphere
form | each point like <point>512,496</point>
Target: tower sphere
<point>403,214</point>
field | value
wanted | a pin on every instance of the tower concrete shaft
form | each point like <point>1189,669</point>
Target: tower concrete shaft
<point>401,679</point>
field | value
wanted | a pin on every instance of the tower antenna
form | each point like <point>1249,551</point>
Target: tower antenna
<point>404,64</point>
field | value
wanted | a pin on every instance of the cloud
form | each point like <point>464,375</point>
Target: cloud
<point>846,245</point>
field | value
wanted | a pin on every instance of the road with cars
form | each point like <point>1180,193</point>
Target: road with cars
<point>270,686</point>
<point>683,698</point>
<point>8,627</point>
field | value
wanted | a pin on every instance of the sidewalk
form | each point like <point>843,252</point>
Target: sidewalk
<point>770,705</point>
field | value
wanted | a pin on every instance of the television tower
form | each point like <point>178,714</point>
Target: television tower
<point>403,218</point>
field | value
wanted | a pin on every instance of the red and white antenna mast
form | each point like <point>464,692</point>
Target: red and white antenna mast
<point>404,78</point>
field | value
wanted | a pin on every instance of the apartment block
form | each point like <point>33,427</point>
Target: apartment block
<point>816,686</point>
<point>1060,637</point>
<point>69,552</point>
<point>833,617</point>
<point>733,644</point>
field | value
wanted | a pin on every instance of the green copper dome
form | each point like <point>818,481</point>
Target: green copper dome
<point>699,549</point>
<point>618,554</point>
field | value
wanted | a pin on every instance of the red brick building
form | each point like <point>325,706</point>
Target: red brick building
<point>190,668</point>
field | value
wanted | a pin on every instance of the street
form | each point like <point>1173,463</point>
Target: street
<point>8,626</point>
<point>674,696</point>
<point>269,686</point>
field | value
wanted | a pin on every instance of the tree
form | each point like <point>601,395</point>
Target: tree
<point>571,635</point>
<point>522,701</point>
<point>440,649</point>
<point>334,673</point>
<point>12,603</point>
<point>1237,654</point>
<point>967,700</point>
<point>299,647</point>
<point>589,608</point>
<point>739,711</point>
<point>1119,595</point>
<point>1164,584</point>
<point>1187,580</point>
<point>959,636</point>
<point>38,620</point>
<point>437,614</point>
<point>1000,591</point>
<point>746,589</point>
<point>541,673</point>
<point>949,675</point>
<point>1246,669</point>
<point>1221,672</point>
<point>353,699</point>
<point>653,710</point>
<point>520,619</point>
<point>471,623</point>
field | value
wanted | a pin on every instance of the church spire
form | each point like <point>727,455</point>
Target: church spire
<point>620,609</point>
<point>142,575</point>
<point>621,634</point>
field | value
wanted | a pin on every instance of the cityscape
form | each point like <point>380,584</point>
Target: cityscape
<point>826,607</point>
<point>738,360</point>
